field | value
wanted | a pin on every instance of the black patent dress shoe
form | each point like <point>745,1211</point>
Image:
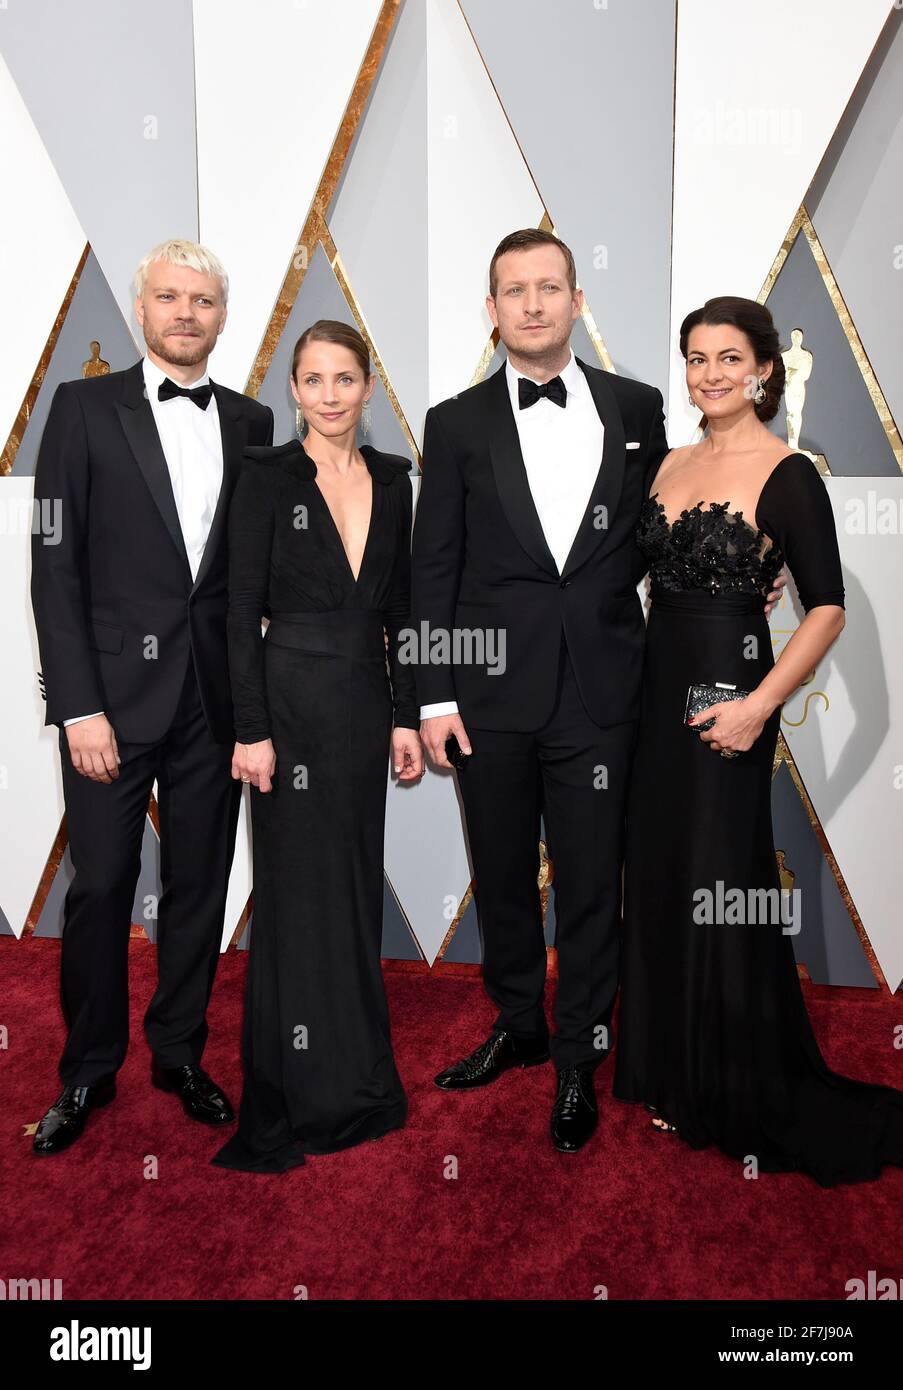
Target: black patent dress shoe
<point>575,1113</point>
<point>500,1052</point>
<point>201,1098</point>
<point>65,1120</point>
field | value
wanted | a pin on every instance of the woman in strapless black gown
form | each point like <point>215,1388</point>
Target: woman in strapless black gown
<point>319,1073</point>
<point>714,1034</point>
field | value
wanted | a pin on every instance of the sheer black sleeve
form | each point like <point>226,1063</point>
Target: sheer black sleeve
<point>795,511</point>
<point>656,451</point>
<point>250,545</point>
<point>397,615</point>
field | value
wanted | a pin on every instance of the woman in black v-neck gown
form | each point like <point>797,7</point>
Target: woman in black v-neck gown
<point>319,1070</point>
<point>713,1031</point>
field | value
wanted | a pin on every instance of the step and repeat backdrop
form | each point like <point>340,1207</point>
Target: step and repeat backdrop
<point>359,160</point>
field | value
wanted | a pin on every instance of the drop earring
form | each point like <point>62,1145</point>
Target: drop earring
<point>691,400</point>
<point>365,418</point>
<point>760,393</point>
<point>300,423</point>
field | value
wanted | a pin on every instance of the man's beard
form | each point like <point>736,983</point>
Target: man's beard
<point>547,352</point>
<point>181,352</point>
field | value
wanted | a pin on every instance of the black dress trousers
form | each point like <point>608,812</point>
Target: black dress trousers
<point>198,803</point>
<point>573,772</point>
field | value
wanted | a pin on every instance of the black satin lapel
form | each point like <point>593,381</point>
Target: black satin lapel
<point>233,426</point>
<point>595,525</point>
<point>511,476</point>
<point>137,420</point>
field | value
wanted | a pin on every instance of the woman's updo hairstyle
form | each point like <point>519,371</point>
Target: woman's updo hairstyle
<point>333,331</point>
<point>756,322</point>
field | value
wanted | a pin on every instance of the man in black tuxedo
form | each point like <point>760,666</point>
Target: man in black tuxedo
<point>130,611</point>
<point>525,535</point>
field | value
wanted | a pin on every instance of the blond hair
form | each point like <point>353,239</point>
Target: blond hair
<point>179,252</point>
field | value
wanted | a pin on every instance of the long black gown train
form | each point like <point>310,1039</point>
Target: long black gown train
<point>713,1027</point>
<point>326,686</point>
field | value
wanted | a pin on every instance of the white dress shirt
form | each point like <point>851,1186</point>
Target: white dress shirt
<point>562,451</point>
<point>193,446</point>
<point>193,449</point>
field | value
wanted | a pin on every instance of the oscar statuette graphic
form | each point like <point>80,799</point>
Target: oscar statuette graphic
<point>95,365</point>
<point>798,365</point>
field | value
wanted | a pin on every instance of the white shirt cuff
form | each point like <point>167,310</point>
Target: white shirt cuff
<point>79,717</point>
<point>445,707</point>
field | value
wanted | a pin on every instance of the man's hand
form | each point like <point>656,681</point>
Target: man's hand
<point>255,763</point>
<point>407,754</point>
<point>92,747</point>
<point>775,595</point>
<point>435,731</point>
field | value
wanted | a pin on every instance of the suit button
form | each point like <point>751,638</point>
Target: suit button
<point>565,584</point>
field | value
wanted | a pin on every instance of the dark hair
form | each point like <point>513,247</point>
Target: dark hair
<point>522,241</point>
<point>332,331</point>
<point>756,322</point>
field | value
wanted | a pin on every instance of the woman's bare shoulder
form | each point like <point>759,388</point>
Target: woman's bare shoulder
<point>673,460</point>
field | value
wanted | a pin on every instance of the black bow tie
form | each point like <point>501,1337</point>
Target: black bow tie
<point>529,392</point>
<point>199,394</point>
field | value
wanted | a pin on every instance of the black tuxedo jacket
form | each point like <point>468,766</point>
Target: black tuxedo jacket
<point>120,573</point>
<point>480,559</point>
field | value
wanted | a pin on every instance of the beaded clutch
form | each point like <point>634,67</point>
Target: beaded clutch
<point>700,697</point>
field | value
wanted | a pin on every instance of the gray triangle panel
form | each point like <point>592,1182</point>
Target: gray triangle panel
<point>321,298</point>
<point>397,940</point>
<point>93,315</point>
<point>855,206</point>
<point>612,118</point>
<point>466,947</point>
<point>839,417</point>
<point>379,213</point>
<point>110,88</point>
<point>827,943</point>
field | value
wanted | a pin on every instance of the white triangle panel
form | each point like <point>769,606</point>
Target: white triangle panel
<point>759,93</point>
<point>31,792</point>
<point>40,249</point>
<point>109,86</point>
<point>841,726</point>
<point>479,190</point>
<point>272,84</point>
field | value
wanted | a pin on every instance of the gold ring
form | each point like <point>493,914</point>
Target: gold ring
<point>246,779</point>
<point>728,753</point>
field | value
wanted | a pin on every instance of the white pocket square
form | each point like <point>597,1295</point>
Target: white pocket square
<point>634,445</point>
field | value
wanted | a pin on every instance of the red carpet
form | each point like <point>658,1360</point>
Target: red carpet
<point>636,1211</point>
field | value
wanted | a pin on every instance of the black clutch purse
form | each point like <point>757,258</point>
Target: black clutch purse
<point>700,697</point>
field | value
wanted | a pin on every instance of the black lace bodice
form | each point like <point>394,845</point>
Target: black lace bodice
<point>707,547</point>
